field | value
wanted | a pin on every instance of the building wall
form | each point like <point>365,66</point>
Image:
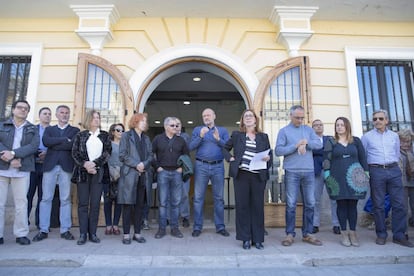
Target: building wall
<point>253,41</point>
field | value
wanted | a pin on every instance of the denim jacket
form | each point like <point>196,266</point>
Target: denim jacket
<point>28,146</point>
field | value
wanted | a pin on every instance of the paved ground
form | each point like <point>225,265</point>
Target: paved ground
<point>210,250</point>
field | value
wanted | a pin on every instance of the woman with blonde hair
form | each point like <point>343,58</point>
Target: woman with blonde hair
<point>407,169</point>
<point>249,184</point>
<point>91,150</point>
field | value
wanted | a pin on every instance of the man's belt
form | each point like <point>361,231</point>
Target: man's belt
<point>209,162</point>
<point>386,166</point>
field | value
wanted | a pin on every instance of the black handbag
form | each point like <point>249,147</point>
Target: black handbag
<point>113,190</point>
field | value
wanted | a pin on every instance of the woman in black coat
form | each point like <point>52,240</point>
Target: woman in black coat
<point>135,153</point>
<point>91,150</point>
<point>249,183</point>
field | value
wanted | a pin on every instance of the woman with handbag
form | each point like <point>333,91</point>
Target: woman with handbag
<point>346,176</point>
<point>91,150</point>
<point>111,187</point>
<point>135,153</point>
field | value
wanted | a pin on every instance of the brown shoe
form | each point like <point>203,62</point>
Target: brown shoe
<point>403,242</point>
<point>312,240</point>
<point>380,241</point>
<point>288,240</point>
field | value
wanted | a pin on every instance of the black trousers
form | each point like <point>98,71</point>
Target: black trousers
<point>249,196</point>
<point>134,211</point>
<point>89,200</point>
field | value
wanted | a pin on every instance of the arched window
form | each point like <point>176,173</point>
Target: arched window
<point>287,84</point>
<point>101,86</point>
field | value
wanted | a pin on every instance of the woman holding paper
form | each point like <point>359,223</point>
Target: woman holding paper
<point>249,178</point>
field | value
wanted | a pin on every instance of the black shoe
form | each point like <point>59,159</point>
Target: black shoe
<point>40,236</point>
<point>82,239</point>
<point>380,241</point>
<point>94,238</point>
<point>196,233</point>
<point>336,230</point>
<point>139,240</point>
<point>259,245</point>
<point>1,240</point>
<point>175,232</point>
<point>246,244</point>
<point>160,234</point>
<point>403,242</point>
<point>315,230</point>
<point>186,223</point>
<point>67,236</point>
<point>23,241</point>
<point>126,241</point>
<point>223,232</point>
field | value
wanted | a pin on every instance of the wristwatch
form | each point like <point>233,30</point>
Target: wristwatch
<point>12,152</point>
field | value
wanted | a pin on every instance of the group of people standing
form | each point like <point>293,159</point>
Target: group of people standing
<point>349,167</point>
<point>122,164</point>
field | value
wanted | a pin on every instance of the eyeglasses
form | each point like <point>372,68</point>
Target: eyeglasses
<point>299,118</point>
<point>119,130</point>
<point>24,108</point>
<point>174,125</point>
<point>378,118</point>
<point>248,115</point>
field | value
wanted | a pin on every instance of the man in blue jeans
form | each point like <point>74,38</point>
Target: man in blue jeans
<point>295,143</point>
<point>208,141</point>
<point>382,147</point>
<point>58,167</point>
<point>168,147</point>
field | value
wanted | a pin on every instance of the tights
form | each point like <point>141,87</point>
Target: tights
<point>347,211</point>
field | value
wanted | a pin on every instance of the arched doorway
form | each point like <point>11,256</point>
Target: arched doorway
<point>184,88</point>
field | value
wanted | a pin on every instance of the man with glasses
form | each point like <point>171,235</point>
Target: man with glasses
<point>57,170</point>
<point>168,147</point>
<point>295,143</point>
<point>19,141</point>
<point>317,126</point>
<point>208,141</point>
<point>382,148</point>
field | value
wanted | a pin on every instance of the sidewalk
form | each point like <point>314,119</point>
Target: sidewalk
<point>209,250</point>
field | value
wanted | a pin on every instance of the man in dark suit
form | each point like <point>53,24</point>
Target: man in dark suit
<point>57,167</point>
<point>317,126</point>
<point>45,115</point>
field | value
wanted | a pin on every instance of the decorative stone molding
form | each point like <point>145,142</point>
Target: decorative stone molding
<point>294,24</point>
<point>95,22</point>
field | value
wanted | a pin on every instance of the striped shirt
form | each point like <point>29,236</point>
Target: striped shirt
<point>248,155</point>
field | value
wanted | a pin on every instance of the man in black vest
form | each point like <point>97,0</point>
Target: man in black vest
<point>57,167</point>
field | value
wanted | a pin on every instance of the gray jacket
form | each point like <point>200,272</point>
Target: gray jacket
<point>28,147</point>
<point>129,156</point>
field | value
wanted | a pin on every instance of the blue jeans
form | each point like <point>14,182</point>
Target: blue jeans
<point>170,186</point>
<point>203,172</point>
<point>56,176</point>
<point>384,181</point>
<point>303,182</point>
<point>184,206</point>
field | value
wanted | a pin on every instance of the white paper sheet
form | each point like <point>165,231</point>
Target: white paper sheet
<point>257,163</point>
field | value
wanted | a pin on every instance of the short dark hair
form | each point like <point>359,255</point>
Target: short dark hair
<point>44,108</point>
<point>20,101</point>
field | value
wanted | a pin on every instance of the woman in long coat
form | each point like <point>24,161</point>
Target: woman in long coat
<point>135,153</point>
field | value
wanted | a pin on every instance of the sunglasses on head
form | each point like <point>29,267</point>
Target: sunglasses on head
<point>119,130</point>
<point>378,118</point>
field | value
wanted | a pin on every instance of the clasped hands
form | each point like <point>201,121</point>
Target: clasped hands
<point>301,146</point>
<point>90,167</point>
<point>216,134</point>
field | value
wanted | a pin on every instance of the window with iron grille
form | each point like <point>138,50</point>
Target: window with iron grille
<point>103,94</point>
<point>14,77</point>
<point>386,85</point>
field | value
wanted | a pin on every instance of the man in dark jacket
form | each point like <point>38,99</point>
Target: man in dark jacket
<point>19,141</point>
<point>57,167</point>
